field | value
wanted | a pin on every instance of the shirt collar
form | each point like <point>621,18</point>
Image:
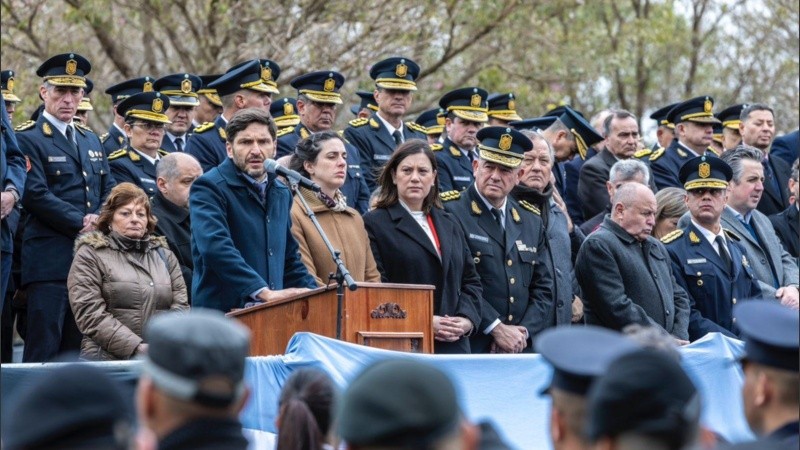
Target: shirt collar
<point>121,131</point>
<point>172,137</point>
<point>61,126</point>
<point>148,157</point>
<point>744,218</point>
<point>388,126</point>
<point>692,152</point>
<point>710,237</point>
<point>489,205</point>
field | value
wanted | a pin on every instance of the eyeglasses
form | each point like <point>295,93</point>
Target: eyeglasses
<point>149,126</point>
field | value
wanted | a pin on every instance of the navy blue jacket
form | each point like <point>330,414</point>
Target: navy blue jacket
<point>454,167</point>
<point>113,140</point>
<point>713,288</point>
<point>12,170</point>
<point>168,146</point>
<point>239,244</point>
<point>62,187</point>
<point>667,163</point>
<point>207,144</point>
<point>127,165</point>
<point>572,172</point>
<point>786,147</point>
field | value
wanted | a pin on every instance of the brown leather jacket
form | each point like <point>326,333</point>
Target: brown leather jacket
<point>115,285</point>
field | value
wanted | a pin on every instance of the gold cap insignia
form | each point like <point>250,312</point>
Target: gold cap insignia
<point>440,120</point>
<point>72,67</point>
<point>158,105</point>
<point>475,101</point>
<point>707,105</point>
<point>266,74</point>
<point>147,87</point>
<point>288,109</point>
<point>10,84</point>
<point>512,104</point>
<point>505,142</point>
<point>401,70</point>
<point>330,85</point>
<point>186,86</point>
<point>704,170</point>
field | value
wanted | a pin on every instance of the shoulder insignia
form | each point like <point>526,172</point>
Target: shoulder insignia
<point>642,153</point>
<point>436,147</point>
<point>713,152</point>
<point>455,151</point>
<point>416,127</point>
<point>360,122</point>
<point>672,236</point>
<point>304,133</point>
<point>163,152</point>
<point>530,207</point>
<point>117,154</point>
<point>475,208</point>
<point>103,137</point>
<point>134,156</point>
<point>374,124</point>
<point>450,195</point>
<point>285,131</point>
<point>657,154</point>
<point>83,127</point>
<point>681,153</point>
<point>205,126</point>
<point>341,134</point>
<point>694,238</point>
<point>222,134</point>
<point>121,139</point>
<point>732,235</point>
<point>27,125</point>
<point>46,129</point>
<point>515,215</point>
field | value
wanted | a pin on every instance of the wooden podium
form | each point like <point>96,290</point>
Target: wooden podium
<point>388,316</point>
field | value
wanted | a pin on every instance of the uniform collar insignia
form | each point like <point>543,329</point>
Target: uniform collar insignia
<point>515,215</point>
<point>475,208</point>
<point>693,237</point>
<point>46,129</point>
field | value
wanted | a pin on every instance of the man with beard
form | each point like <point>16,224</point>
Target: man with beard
<point>181,88</point>
<point>465,111</point>
<point>564,239</point>
<point>242,244</point>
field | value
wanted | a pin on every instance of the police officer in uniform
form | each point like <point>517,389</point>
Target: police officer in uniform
<point>82,115</point>
<point>145,121</point>
<point>7,86</point>
<point>505,237</point>
<point>707,260</point>
<point>433,122</point>
<point>210,104</point>
<point>731,118</point>
<point>67,182</point>
<point>250,84</point>
<point>284,113</point>
<point>377,137</point>
<point>114,139</point>
<point>317,98</point>
<point>665,132</point>
<point>465,110</point>
<point>366,106</point>
<point>181,88</point>
<point>502,109</point>
<point>694,120</point>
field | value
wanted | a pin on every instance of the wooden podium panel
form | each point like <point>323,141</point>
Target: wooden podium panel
<point>387,316</point>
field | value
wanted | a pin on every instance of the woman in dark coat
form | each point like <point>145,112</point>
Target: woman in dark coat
<point>415,241</point>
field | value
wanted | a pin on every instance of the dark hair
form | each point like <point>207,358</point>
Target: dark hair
<point>388,190</point>
<point>306,410</point>
<point>309,148</point>
<point>121,195</point>
<point>244,117</point>
<point>735,156</point>
<point>615,114</point>
<point>749,109</point>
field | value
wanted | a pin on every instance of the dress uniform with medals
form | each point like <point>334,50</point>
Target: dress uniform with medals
<point>667,163</point>
<point>68,179</point>
<point>373,140</point>
<point>284,113</point>
<point>506,245</point>
<point>455,165</point>
<point>208,140</point>
<point>715,278</point>
<point>7,82</point>
<point>181,88</point>
<point>132,165</point>
<point>323,87</point>
<point>115,138</point>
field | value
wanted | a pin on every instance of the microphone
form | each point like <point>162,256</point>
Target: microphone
<point>273,167</point>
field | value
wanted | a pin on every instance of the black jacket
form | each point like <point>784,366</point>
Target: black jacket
<point>174,224</point>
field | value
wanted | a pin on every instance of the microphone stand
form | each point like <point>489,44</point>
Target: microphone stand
<point>342,275</point>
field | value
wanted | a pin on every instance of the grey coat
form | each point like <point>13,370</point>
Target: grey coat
<point>624,281</point>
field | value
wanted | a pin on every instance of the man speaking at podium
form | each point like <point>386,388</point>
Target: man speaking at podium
<point>242,245</point>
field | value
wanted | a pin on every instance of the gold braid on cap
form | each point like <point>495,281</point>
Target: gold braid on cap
<point>696,115</point>
<point>499,156</point>
<point>179,93</point>
<point>147,115</point>
<point>582,147</point>
<point>467,108</point>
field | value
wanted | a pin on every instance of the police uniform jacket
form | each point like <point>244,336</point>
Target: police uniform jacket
<point>174,224</point>
<point>517,284</point>
<point>712,285</point>
<point>788,229</point>
<point>571,195</point>
<point>375,145</point>
<point>666,164</point>
<point>129,166</point>
<point>454,167</point>
<point>354,189</point>
<point>63,186</point>
<point>168,146</point>
<point>113,140</point>
<point>12,170</point>
<point>239,243</point>
<point>207,144</point>
<point>624,281</point>
<point>786,147</point>
<point>404,254</point>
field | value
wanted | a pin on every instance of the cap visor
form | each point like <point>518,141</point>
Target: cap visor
<point>324,98</point>
<point>397,86</point>
<point>706,184</point>
<point>499,158</point>
<point>472,116</point>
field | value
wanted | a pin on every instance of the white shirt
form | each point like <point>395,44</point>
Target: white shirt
<point>390,128</point>
<point>710,236</point>
<point>60,126</point>
<point>501,208</point>
<point>147,157</point>
<point>422,219</point>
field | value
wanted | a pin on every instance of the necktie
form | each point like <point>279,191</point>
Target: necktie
<point>179,144</point>
<point>498,217</point>
<point>769,177</point>
<point>262,190</point>
<point>723,252</point>
<point>398,138</point>
<point>71,137</point>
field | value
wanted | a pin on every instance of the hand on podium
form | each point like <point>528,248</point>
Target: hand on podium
<point>267,295</point>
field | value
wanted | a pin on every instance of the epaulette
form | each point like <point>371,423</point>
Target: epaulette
<point>416,127</point>
<point>642,153</point>
<point>222,134</point>
<point>672,236</point>
<point>436,147</point>
<point>285,131</point>
<point>732,235</point>
<point>103,137</point>
<point>360,122</point>
<point>203,127</point>
<point>117,154</point>
<point>530,207</point>
<point>681,153</point>
<point>450,195</point>
<point>84,127</point>
<point>25,125</point>
<point>455,151</point>
<point>374,123</point>
<point>657,154</point>
<point>163,152</point>
<point>709,149</point>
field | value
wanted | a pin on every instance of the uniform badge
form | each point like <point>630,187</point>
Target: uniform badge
<point>121,139</point>
<point>704,170</point>
<point>401,70</point>
<point>744,261</point>
<point>147,86</point>
<point>10,84</point>
<point>288,109</point>
<point>72,67</point>
<point>46,129</point>
<point>707,105</point>
<point>475,209</point>
<point>330,85</point>
<point>266,73</point>
<point>304,133</point>
<point>158,105</point>
<point>512,104</point>
<point>475,101</point>
<point>186,86</point>
<point>693,237</point>
<point>681,153</point>
<point>515,215</point>
<point>505,142</point>
<point>222,134</point>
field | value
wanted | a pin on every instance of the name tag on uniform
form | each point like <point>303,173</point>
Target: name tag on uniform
<point>56,159</point>
<point>355,166</point>
<point>462,178</point>
<point>696,261</point>
<point>147,180</point>
<point>479,238</point>
<point>381,157</point>
<point>524,248</point>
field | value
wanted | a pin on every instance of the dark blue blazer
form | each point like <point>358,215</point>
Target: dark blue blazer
<point>239,244</point>
<point>62,187</point>
<point>572,172</point>
<point>786,147</point>
<point>168,146</point>
<point>666,165</point>
<point>454,168</point>
<point>207,144</point>
<point>713,288</point>
<point>12,169</point>
<point>132,168</point>
<point>113,140</point>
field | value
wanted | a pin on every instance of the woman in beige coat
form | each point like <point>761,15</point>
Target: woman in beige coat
<point>323,158</point>
<point>121,276</point>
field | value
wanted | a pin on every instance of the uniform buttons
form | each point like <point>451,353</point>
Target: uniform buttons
<point>272,286</point>
<point>477,253</point>
<point>511,299</point>
<point>510,317</point>
<point>270,252</point>
<point>763,261</point>
<point>85,174</point>
<point>734,320</point>
<point>151,283</point>
<point>560,304</point>
<point>510,263</point>
<point>476,260</point>
<point>58,172</point>
<point>88,204</point>
<point>655,276</point>
<point>666,311</point>
<point>699,282</point>
<point>87,188</point>
<point>512,280</point>
<point>734,301</point>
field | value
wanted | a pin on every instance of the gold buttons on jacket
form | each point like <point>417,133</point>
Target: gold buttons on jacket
<point>510,317</point>
<point>510,263</point>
